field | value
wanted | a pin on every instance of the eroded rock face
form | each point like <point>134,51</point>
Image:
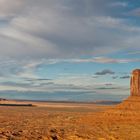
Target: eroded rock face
<point>135,83</point>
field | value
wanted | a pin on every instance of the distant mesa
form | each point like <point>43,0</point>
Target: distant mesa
<point>2,99</point>
<point>135,83</point>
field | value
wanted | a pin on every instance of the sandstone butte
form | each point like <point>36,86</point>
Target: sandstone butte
<point>130,107</point>
<point>134,99</point>
<point>135,83</point>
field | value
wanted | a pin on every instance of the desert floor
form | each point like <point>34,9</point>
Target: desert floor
<point>67,121</point>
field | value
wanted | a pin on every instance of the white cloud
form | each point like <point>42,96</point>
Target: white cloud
<point>10,8</point>
<point>119,4</point>
<point>54,30</point>
<point>103,60</point>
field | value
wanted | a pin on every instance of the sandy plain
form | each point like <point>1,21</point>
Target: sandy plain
<point>69,121</point>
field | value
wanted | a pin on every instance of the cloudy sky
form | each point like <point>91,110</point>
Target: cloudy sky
<point>76,46</point>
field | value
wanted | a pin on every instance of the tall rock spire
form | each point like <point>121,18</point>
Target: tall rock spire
<point>135,83</point>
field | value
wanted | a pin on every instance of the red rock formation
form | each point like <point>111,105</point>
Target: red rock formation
<point>135,83</point>
<point>129,109</point>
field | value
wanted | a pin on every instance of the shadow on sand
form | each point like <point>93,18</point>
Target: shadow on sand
<point>26,105</point>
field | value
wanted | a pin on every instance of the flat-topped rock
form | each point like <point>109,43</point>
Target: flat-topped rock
<point>135,83</point>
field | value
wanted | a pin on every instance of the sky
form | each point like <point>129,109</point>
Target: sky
<point>69,47</point>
